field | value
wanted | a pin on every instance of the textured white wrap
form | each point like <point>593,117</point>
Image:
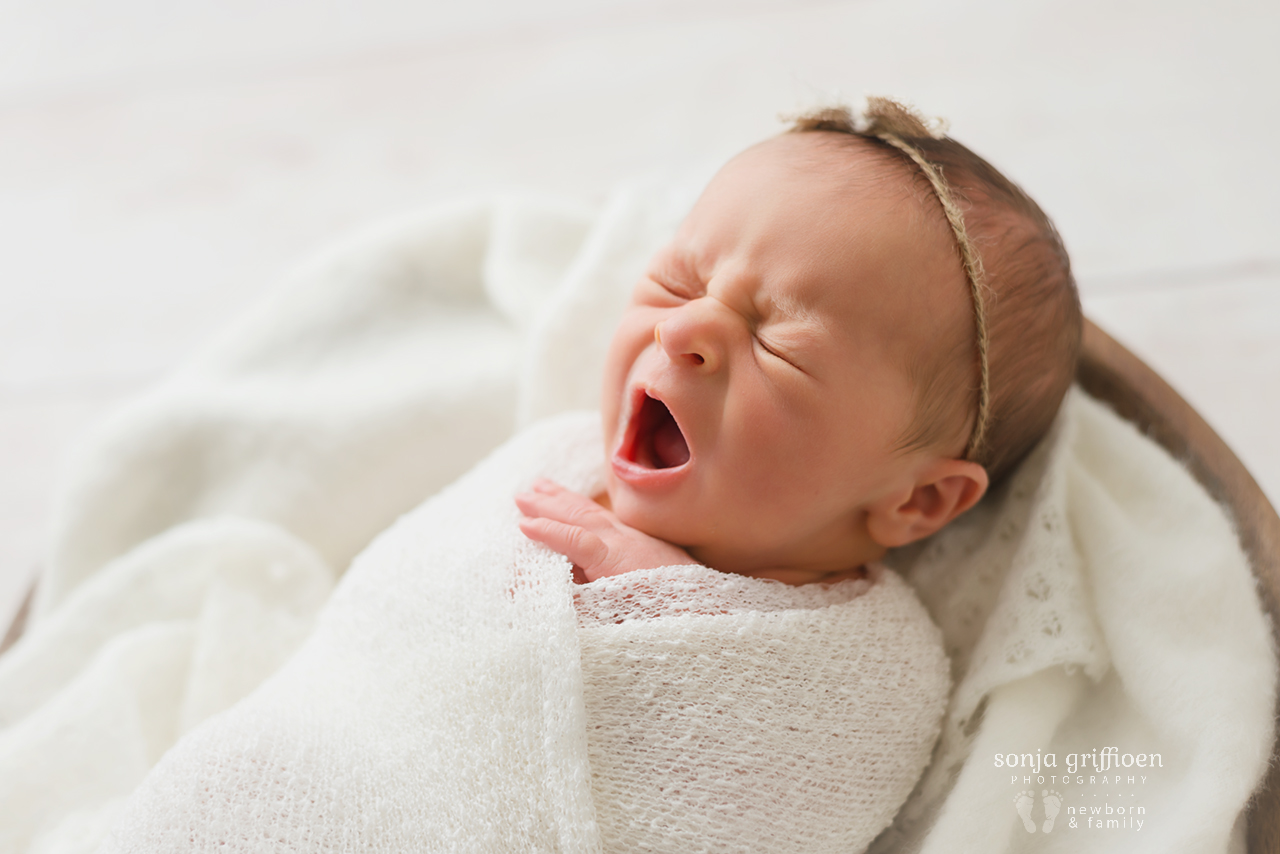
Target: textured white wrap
<point>453,699</point>
<point>1099,598</point>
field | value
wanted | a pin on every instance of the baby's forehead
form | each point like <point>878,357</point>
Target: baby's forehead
<point>845,193</point>
<point>883,256</point>
<point>824,197</point>
<point>841,160</point>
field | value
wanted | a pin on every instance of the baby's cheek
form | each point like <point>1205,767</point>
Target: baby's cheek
<point>792,460</point>
<point>632,336</point>
<point>611,398</point>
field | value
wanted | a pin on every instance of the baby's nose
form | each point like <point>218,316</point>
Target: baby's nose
<point>693,336</point>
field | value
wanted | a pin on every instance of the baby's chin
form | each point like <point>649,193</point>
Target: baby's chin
<point>675,526</point>
<point>648,516</point>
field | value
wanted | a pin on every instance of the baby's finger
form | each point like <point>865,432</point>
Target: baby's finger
<point>538,505</point>
<point>550,487</point>
<point>581,547</point>
<point>563,505</point>
<point>529,503</point>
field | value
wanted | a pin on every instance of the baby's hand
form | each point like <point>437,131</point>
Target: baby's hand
<point>597,542</point>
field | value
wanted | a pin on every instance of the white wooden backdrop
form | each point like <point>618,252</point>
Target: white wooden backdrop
<point>163,163</point>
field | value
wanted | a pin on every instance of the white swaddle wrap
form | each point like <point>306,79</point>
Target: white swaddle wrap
<point>1098,599</point>
<point>452,699</point>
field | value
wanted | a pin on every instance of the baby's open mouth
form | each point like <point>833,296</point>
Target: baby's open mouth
<point>656,440</point>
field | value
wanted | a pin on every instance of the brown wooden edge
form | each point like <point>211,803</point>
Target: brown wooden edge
<point>1110,372</point>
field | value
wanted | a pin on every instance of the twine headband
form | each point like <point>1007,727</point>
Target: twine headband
<point>896,124</point>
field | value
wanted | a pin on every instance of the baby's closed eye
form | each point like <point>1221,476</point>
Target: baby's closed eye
<point>782,348</point>
<point>772,350</point>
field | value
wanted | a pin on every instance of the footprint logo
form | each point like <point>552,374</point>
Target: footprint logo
<point>1052,803</point>
<point>1023,803</point>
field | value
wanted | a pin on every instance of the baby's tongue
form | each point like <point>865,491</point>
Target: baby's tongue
<point>669,446</point>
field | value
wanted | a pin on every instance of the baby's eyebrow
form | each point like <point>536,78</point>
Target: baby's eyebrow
<point>786,307</point>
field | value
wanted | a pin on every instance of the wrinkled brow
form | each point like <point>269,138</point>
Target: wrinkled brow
<point>678,263</point>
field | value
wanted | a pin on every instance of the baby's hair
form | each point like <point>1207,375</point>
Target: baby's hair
<point>1025,337</point>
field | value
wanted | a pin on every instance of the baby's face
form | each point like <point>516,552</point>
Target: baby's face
<point>757,386</point>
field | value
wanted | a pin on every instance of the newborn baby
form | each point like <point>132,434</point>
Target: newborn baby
<point>858,328</point>
<point>819,367</point>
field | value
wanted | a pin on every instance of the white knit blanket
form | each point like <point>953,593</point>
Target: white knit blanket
<point>1098,600</point>
<point>452,699</point>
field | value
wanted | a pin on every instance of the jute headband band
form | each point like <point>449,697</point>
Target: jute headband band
<point>896,124</point>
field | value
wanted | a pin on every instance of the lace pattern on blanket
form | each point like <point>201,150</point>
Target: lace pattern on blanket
<point>683,590</point>
<point>1007,589</point>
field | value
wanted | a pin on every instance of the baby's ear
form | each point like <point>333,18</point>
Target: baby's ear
<point>943,490</point>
